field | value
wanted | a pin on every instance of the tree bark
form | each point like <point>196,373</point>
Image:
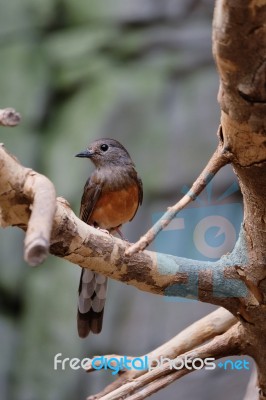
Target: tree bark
<point>239,46</point>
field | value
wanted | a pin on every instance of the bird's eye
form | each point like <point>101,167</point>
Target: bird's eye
<point>104,147</point>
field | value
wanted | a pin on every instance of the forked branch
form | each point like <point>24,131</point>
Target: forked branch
<point>34,199</point>
<point>215,323</point>
<point>155,379</point>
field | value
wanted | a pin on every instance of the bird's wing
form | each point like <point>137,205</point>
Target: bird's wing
<point>90,308</point>
<point>140,191</point>
<point>89,199</point>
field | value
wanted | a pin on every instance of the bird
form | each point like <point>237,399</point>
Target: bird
<point>111,197</point>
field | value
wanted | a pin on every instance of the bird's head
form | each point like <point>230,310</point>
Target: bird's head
<point>106,152</point>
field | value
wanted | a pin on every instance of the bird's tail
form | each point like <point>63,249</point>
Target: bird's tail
<point>92,296</point>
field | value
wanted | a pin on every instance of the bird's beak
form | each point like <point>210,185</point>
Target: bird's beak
<point>85,154</point>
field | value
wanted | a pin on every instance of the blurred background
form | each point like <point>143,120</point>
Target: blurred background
<point>142,72</point>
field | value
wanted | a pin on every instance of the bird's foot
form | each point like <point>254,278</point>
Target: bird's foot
<point>121,235</point>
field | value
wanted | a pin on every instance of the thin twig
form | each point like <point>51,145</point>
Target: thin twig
<point>216,162</point>
<point>158,384</point>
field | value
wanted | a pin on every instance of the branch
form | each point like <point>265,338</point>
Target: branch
<point>221,346</point>
<point>34,206</point>
<point>9,117</point>
<point>22,189</point>
<point>215,323</point>
<point>218,160</point>
<point>41,193</point>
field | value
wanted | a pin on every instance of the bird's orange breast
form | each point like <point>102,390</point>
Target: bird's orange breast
<point>115,208</point>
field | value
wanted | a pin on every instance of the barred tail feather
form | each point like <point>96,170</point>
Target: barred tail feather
<point>92,297</point>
